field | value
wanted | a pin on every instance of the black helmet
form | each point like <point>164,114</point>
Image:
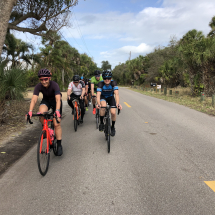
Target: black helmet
<point>106,74</point>
<point>87,80</point>
<point>44,72</point>
<point>97,72</point>
<point>76,78</point>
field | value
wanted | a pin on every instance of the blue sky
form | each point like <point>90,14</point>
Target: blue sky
<point>109,30</point>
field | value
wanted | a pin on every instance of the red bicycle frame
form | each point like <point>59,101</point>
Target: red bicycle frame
<point>45,128</point>
<point>76,107</point>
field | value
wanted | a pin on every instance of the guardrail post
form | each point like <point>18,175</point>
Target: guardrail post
<point>202,96</point>
<point>213,100</point>
<point>176,93</point>
<point>165,91</point>
<point>158,90</point>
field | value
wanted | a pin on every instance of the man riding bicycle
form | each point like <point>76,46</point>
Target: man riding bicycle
<point>76,90</point>
<point>86,93</point>
<point>51,99</point>
<point>94,84</point>
<point>105,93</point>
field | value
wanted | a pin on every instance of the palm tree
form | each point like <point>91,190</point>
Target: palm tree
<point>17,51</point>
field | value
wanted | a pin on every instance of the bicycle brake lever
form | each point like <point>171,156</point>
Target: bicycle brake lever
<point>29,120</point>
<point>56,119</point>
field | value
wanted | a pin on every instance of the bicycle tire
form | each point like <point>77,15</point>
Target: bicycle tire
<point>55,146</point>
<point>105,130</point>
<point>75,120</point>
<point>108,135</point>
<point>97,119</point>
<point>43,164</point>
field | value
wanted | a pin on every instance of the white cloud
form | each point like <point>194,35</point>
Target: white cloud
<point>141,49</point>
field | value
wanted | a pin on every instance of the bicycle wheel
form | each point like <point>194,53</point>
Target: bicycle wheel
<point>97,119</point>
<point>43,157</point>
<point>55,146</point>
<point>108,134</point>
<point>75,120</point>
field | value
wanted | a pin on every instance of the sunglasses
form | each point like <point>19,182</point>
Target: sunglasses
<point>76,82</point>
<point>44,79</point>
<point>107,78</point>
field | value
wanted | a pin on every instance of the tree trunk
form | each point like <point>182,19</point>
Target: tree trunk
<point>6,7</point>
<point>63,78</point>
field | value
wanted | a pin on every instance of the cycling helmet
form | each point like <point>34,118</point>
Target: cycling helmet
<point>82,77</point>
<point>76,78</point>
<point>87,80</point>
<point>97,72</point>
<point>44,72</point>
<point>106,74</point>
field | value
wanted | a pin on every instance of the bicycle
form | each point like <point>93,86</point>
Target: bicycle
<point>107,125</point>
<point>77,113</point>
<point>44,149</point>
<point>97,116</point>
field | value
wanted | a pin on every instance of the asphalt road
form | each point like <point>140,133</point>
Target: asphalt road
<point>160,157</point>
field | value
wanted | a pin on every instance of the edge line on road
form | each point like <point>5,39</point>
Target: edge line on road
<point>211,184</point>
<point>127,104</point>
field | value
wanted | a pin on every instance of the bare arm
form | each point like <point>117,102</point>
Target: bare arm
<point>58,101</point>
<point>92,89</point>
<point>116,92</point>
<point>69,91</point>
<point>82,93</point>
<point>98,97</point>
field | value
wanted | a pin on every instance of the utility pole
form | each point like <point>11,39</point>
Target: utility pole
<point>129,56</point>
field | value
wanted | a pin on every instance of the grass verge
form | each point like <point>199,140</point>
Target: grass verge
<point>186,100</point>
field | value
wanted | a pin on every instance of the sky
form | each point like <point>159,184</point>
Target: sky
<point>111,30</point>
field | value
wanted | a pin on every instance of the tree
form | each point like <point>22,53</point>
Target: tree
<point>191,50</point>
<point>38,17</point>
<point>105,65</point>
<point>6,7</point>
<point>212,25</point>
<point>17,51</point>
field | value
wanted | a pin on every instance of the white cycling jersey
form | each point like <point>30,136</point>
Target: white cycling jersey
<point>77,90</point>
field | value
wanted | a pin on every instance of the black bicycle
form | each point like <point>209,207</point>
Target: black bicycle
<point>97,117</point>
<point>107,124</point>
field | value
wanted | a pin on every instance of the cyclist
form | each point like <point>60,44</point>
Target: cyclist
<point>89,91</point>
<point>51,99</point>
<point>105,93</point>
<point>86,94</point>
<point>76,90</point>
<point>94,84</point>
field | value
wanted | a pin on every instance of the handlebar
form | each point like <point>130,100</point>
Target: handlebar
<point>46,115</point>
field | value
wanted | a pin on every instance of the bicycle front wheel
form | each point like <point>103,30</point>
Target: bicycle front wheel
<point>75,119</point>
<point>43,156</point>
<point>108,135</point>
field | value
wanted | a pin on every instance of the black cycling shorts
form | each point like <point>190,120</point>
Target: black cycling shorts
<point>51,104</point>
<point>110,100</point>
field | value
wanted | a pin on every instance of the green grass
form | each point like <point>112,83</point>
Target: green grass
<point>30,88</point>
<point>183,99</point>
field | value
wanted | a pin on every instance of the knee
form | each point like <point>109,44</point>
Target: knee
<point>113,114</point>
<point>57,126</point>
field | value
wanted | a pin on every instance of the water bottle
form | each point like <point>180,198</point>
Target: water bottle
<point>51,132</point>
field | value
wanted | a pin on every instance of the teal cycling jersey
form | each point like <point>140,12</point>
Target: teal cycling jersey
<point>107,90</point>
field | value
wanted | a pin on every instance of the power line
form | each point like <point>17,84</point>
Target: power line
<point>80,33</point>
